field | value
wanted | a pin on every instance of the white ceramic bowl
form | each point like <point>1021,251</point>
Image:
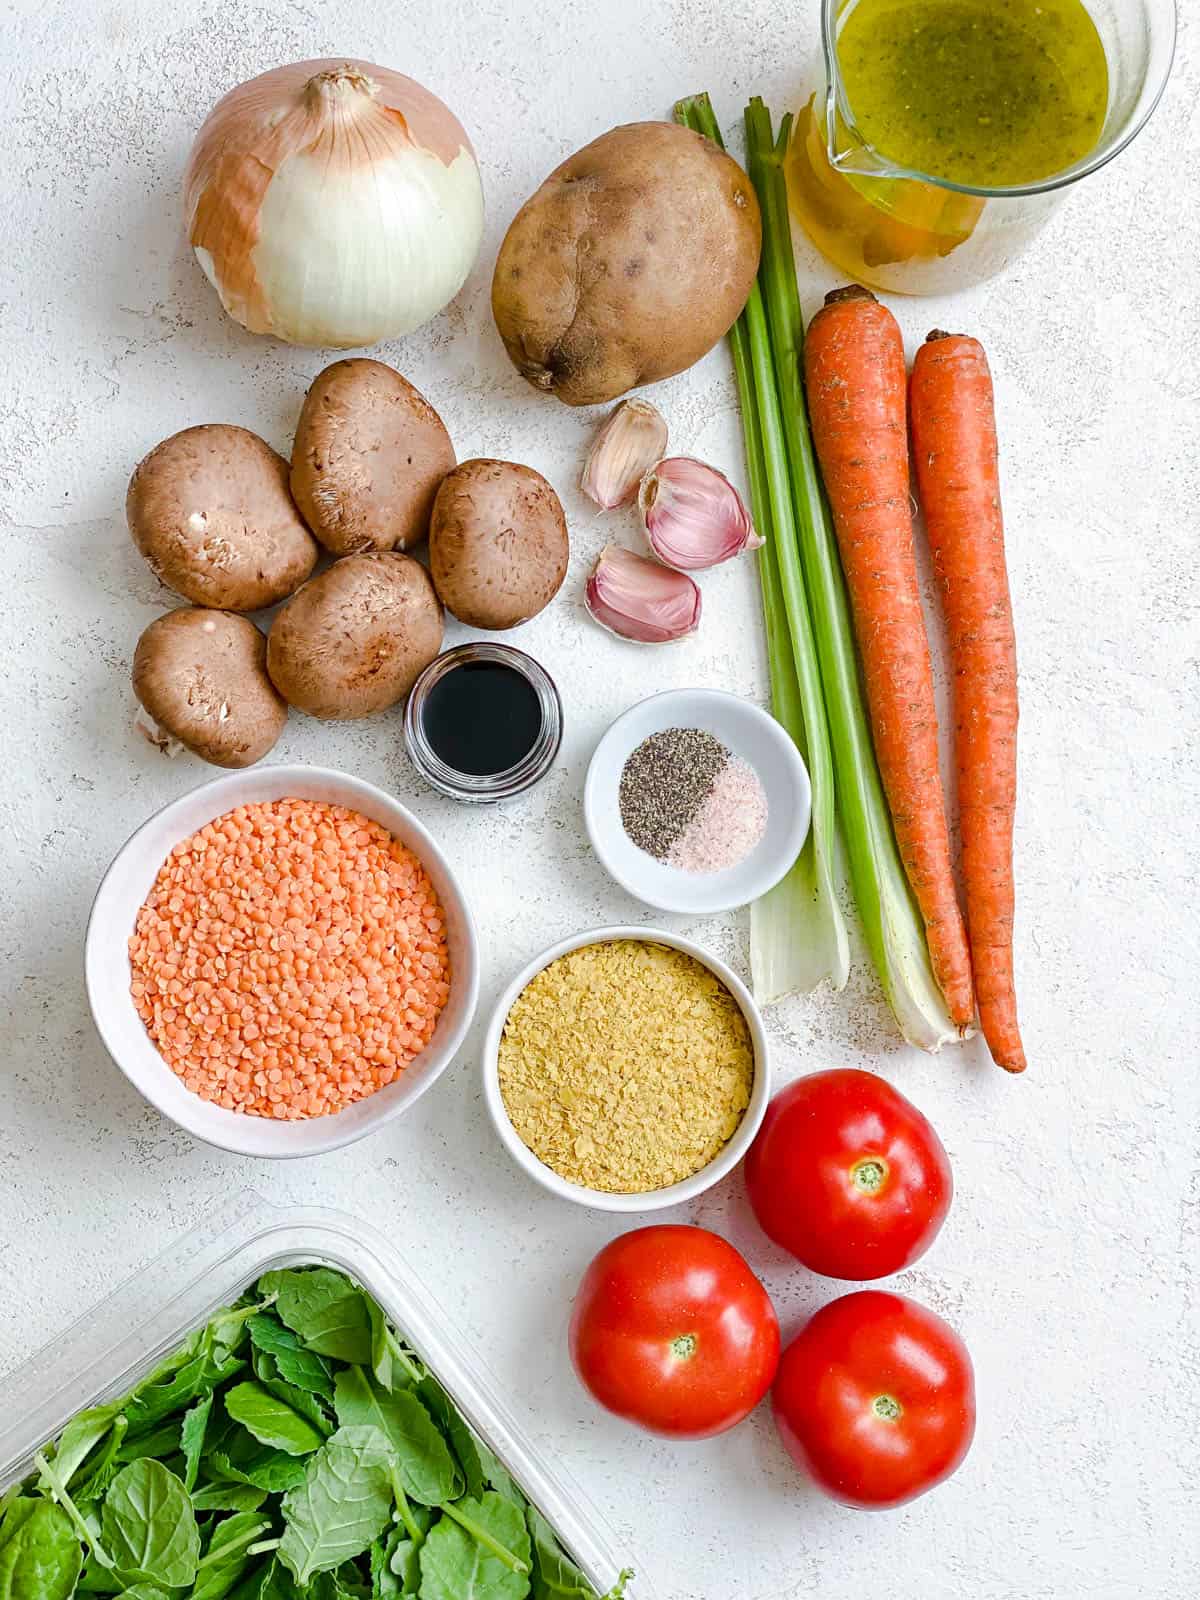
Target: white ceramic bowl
<point>749,733</point>
<point>106,964</point>
<point>656,1199</point>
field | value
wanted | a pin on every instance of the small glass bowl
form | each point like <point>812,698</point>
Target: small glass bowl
<point>491,786</point>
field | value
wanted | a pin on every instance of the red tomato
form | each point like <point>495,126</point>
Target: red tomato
<point>875,1399</point>
<point>673,1331</point>
<point>848,1175</point>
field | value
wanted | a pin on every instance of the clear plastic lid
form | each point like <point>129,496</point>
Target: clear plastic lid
<point>111,1347</point>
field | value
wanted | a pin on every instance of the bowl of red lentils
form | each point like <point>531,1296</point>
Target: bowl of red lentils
<point>282,961</point>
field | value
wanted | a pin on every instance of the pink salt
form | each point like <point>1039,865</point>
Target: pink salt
<point>727,826</point>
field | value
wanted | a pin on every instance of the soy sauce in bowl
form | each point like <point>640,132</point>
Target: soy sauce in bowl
<point>484,722</point>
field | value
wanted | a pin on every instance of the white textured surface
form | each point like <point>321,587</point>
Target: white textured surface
<point>1068,1260</point>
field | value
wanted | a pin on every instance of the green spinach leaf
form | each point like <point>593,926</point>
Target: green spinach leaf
<point>273,1420</point>
<point>393,1366</point>
<point>160,1441</point>
<point>456,1566</point>
<point>191,1438</point>
<point>102,1465</point>
<point>225,1561</point>
<point>228,1497</point>
<point>16,1512</point>
<point>227,1331</point>
<point>405,1562</point>
<point>296,1365</point>
<point>151,1402</point>
<point>427,1469</point>
<point>351,1583</point>
<point>307,1404</point>
<point>343,1504</point>
<point>40,1557</point>
<point>80,1437</point>
<point>148,1526</point>
<point>259,1465</point>
<point>14,1492</point>
<point>267,1582</point>
<point>95,1579</point>
<point>555,1575</point>
<point>327,1311</point>
<point>85,1522</point>
<point>144,1591</point>
<point>385,1585</point>
<point>439,1404</point>
<point>498,1475</point>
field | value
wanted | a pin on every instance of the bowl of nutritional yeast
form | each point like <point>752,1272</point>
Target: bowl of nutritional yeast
<point>626,1069</point>
<point>697,801</point>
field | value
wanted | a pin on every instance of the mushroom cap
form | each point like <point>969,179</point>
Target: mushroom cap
<point>355,638</point>
<point>211,511</point>
<point>369,455</point>
<point>202,676</point>
<point>498,543</point>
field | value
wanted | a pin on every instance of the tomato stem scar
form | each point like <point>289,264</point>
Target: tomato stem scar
<point>869,1174</point>
<point>684,1347</point>
<point>887,1408</point>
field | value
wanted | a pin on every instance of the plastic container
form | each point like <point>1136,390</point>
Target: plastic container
<point>116,1343</point>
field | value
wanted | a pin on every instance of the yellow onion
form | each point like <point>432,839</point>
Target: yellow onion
<point>333,203</point>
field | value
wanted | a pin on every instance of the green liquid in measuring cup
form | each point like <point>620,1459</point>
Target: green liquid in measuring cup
<point>989,93</point>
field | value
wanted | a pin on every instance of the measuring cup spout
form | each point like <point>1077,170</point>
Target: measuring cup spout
<point>845,146</point>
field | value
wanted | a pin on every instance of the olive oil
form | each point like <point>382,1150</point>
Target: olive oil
<point>987,93</point>
<point>931,95</point>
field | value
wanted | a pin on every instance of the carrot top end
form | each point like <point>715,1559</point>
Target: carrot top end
<point>850,291</point>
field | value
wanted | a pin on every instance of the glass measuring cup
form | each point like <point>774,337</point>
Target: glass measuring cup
<point>896,229</point>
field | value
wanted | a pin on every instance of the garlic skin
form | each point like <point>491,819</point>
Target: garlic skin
<point>693,516</point>
<point>630,441</point>
<point>641,600</point>
<point>333,203</point>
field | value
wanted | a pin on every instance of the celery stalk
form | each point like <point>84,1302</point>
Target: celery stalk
<point>805,566</point>
<point>797,931</point>
<point>892,924</point>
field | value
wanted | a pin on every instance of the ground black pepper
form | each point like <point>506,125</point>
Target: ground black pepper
<point>665,782</point>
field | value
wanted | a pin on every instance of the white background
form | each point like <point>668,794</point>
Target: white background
<point>1068,1259</point>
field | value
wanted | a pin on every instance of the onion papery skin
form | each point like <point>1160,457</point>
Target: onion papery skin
<point>333,203</point>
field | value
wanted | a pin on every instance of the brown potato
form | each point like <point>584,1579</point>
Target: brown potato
<point>629,263</point>
<point>355,639</point>
<point>210,510</point>
<point>369,455</point>
<point>498,546</point>
<point>202,676</point>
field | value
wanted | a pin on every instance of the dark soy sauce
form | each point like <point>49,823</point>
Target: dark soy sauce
<point>482,718</point>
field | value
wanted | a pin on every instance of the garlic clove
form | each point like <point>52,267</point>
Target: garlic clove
<point>693,515</point>
<point>631,440</point>
<point>640,600</point>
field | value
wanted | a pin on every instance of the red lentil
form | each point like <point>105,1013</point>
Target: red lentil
<point>263,927</point>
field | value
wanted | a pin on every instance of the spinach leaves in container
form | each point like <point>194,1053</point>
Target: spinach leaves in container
<point>291,1447</point>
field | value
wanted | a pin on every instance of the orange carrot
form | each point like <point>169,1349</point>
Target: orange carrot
<point>954,444</point>
<point>855,374</point>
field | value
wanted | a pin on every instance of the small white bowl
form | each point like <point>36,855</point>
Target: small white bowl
<point>747,732</point>
<point>656,1199</point>
<point>107,973</point>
